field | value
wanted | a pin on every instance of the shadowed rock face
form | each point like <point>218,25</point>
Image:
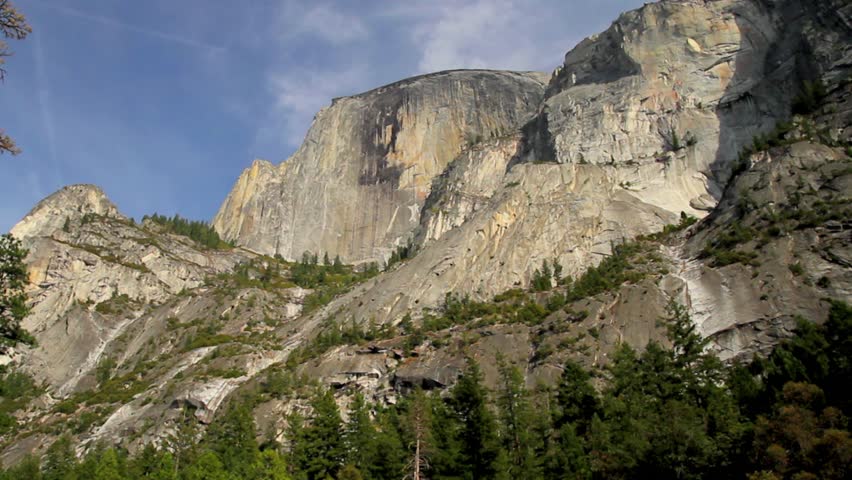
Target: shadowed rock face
<point>356,186</point>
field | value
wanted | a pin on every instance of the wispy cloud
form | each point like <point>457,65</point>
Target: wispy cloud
<point>489,34</point>
<point>149,32</point>
<point>299,94</point>
<point>440,35</point>
<point>43,92</point>
<point>333,25</point>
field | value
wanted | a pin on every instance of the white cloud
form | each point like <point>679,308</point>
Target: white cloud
<point>299,94</point>
<point>497,34</point>
<point>325,22</point>
<point>308,64</point>
<point>333,25</point>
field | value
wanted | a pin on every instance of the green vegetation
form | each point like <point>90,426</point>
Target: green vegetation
<point>550,292</point>
<point>201,232</point>
<point>13,299</point>
<point>629,263</point>
<point>203,333</point>
<point>796,269</point>
<point>17,389</point>
<point>13,25</point>
<point>111,388</point>
<point>117,304</point>
<point>327,279</point>
<point>232,372</point>
<point>676,143</point>
<point>102,252</point>
<point>686,221</point>
<point>401,254</point>
<point>613,271</point>
<point>472,139</point>
<point>669,413</point>
<point>543,279</point>
<point>336,334</point>
<point>228,451</point>
<point>723,249</point>
<point>754,225</point>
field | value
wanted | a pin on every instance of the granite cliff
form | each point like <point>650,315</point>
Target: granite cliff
<point>356,186</point>
<point>617,151</point>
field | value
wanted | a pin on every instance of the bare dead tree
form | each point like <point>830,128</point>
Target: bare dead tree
<point>420,421</point>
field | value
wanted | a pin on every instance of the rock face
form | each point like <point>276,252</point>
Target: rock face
<point>356,186</point>
<point>70,203</point>
<point>641,123</point>
<point>795,205</point>
<point>84,253</point>
<point>131,308</point>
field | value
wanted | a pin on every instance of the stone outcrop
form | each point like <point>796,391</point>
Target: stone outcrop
<point>70,203</point>
<point>798,262</point>
<point>641,123</point>
<point>84,254</point>
<point>356,186</point>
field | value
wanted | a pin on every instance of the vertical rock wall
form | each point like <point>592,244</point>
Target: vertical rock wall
<point>357,184</point>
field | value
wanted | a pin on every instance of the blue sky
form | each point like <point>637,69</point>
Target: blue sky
<point>163,103</point>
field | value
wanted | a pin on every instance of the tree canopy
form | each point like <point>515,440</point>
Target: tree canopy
<point>13,26</point>
<point>13,299</point>
<point>669,413</point>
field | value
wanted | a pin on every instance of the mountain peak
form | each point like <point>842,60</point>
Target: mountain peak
<point>70,202</point>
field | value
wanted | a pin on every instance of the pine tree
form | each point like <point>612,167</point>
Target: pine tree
<point>60,460</point>
<point>153,463</point>
<point>350,472</point>
<point>164,469</point>
<point>516,417</point>
<point>12,25</point>
<point>318,450</point>
<point>89,464</point>
<point>390,455</point>
<point>109,467</point>
<point>360,435</point>
<point>271,467</point>
<point>446,458</point>
<point>233,439</point>
<point>477,435</point>
<point>576,398</point>
<point>13,299</point>
<point>207,467</point>
<point>418,423</point>
<point>27,469</point>
<point>567,457</point>
<point>184,442</point>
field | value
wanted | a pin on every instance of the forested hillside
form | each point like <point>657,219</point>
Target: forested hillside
<point>663,412</point>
